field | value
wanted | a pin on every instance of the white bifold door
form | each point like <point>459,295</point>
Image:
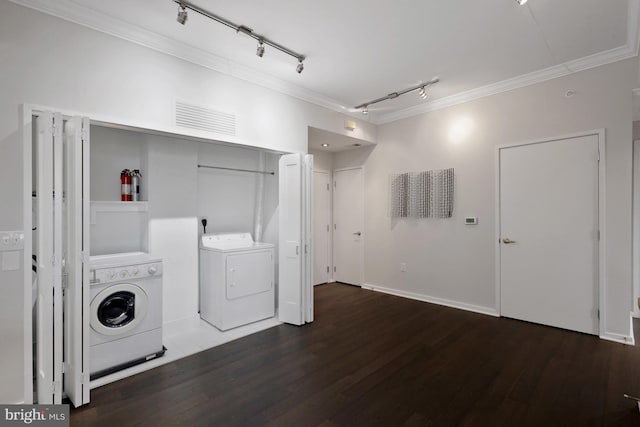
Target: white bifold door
<point>549,233</point>
<point>295,290</point>
<point>61,247</point>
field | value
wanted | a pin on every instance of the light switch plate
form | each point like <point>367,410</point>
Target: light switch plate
<point>11,241</point>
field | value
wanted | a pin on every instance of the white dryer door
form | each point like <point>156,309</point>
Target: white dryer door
<point>118,309</point>
<point>249,274</point>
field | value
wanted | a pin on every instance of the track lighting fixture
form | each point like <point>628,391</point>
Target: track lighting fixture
<point>421,88</point>
<point>521,2</point>
<point>182,14</point>
<point>182,18</point>
<point>260,49</point>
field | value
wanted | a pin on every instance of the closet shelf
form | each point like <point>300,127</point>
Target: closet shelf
<point>116,207</point>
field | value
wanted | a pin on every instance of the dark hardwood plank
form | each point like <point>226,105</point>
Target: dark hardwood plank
<point>374,359</point>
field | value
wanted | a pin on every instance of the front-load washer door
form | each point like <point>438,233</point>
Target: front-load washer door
<point>118,309</point>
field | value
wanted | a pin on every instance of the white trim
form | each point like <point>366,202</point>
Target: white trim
<point>592,61</point>
<point>26,137</point>
<point>434,300</point>
<point>82,15</point>
<point>622,339</point>
<point>102,22</point>
<point>601,134</point>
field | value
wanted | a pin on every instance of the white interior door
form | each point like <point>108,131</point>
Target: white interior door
<point>549,233</point>
<point>76,262</point>
<point>321,227</point>
<point>348,218</point>
<point>307,231</point>
<point>49,190</point>
<point>291,272</point>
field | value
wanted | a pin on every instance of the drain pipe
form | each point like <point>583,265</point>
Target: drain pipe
<point>257,220</point>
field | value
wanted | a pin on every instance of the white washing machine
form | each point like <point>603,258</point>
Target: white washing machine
<point>236,280</point>
<point>125,311</point>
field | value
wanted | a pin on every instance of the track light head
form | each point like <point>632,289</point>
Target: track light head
<point>365,110</point>
<point>300,66</point>
<point>423,93</point>
<point>182,14</point>
<point>260,49</point>
<point>521,2</point>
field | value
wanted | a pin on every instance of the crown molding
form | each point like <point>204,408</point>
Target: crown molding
<point>629,50</point>
<point>602,58</point>
<point>79,14</point>
<point>82,15</point>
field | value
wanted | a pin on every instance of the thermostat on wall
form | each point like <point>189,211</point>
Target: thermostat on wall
<point>471,220</point>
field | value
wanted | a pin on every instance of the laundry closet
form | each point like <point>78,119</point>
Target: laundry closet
<point>144,266</point>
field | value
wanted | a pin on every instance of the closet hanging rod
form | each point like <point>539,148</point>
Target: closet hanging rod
<point>236,170</point>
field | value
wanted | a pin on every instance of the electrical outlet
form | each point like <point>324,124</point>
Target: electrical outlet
<point>11,241</point>
<point>403,267</point>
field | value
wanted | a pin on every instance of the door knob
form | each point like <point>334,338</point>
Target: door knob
<point>507,241</point>
<point>357,233</point>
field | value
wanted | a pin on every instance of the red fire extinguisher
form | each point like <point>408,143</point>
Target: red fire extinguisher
<point>125,185</point>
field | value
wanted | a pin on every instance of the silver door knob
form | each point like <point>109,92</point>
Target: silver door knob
<point>507,241</point>
<point>357,233</point>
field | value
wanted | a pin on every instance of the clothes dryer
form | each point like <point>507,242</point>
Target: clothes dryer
<point>236,280</point>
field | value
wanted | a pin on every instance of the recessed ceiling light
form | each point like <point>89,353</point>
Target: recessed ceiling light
<point>521,2</point>
<point>356,145</point>
<point>325,145</point>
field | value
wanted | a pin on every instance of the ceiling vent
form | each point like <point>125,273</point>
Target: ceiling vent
<point>206,119</point>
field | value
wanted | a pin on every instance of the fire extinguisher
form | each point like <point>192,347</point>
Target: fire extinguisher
<point>125,185</point>
<point>135,185</point>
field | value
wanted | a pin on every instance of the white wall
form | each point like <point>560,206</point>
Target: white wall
<point>113,150</point>
<point>173,223</point>
<point>55,63</point>
<point>451,261</point>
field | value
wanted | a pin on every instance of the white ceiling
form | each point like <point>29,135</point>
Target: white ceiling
<point>358,50</point>
<point>336,142</point>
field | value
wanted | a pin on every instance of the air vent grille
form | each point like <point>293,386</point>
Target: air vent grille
<point>200,118</point>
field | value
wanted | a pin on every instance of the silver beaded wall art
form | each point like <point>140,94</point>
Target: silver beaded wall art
<point>427,194</point>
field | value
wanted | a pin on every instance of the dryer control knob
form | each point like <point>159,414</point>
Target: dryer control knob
<point>152,270</point>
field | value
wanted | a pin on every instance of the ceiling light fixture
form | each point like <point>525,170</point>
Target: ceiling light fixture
<point>182,18</point>
<point>421,87</point>
<point>325,145</point>
<point>260,49</point>
<point>182,14</point>
<point>521,2</point>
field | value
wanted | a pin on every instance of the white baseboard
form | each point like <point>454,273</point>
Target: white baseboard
<point>434,300</point>
<point>622,339</point>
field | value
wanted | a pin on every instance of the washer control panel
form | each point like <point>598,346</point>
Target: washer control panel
<point>130,272</point>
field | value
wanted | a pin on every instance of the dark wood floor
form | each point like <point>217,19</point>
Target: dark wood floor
<point>371,359</point>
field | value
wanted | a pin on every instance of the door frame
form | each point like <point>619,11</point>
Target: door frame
<point>601,134</point>
<point>330,216</point>
<point>333,220</point>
